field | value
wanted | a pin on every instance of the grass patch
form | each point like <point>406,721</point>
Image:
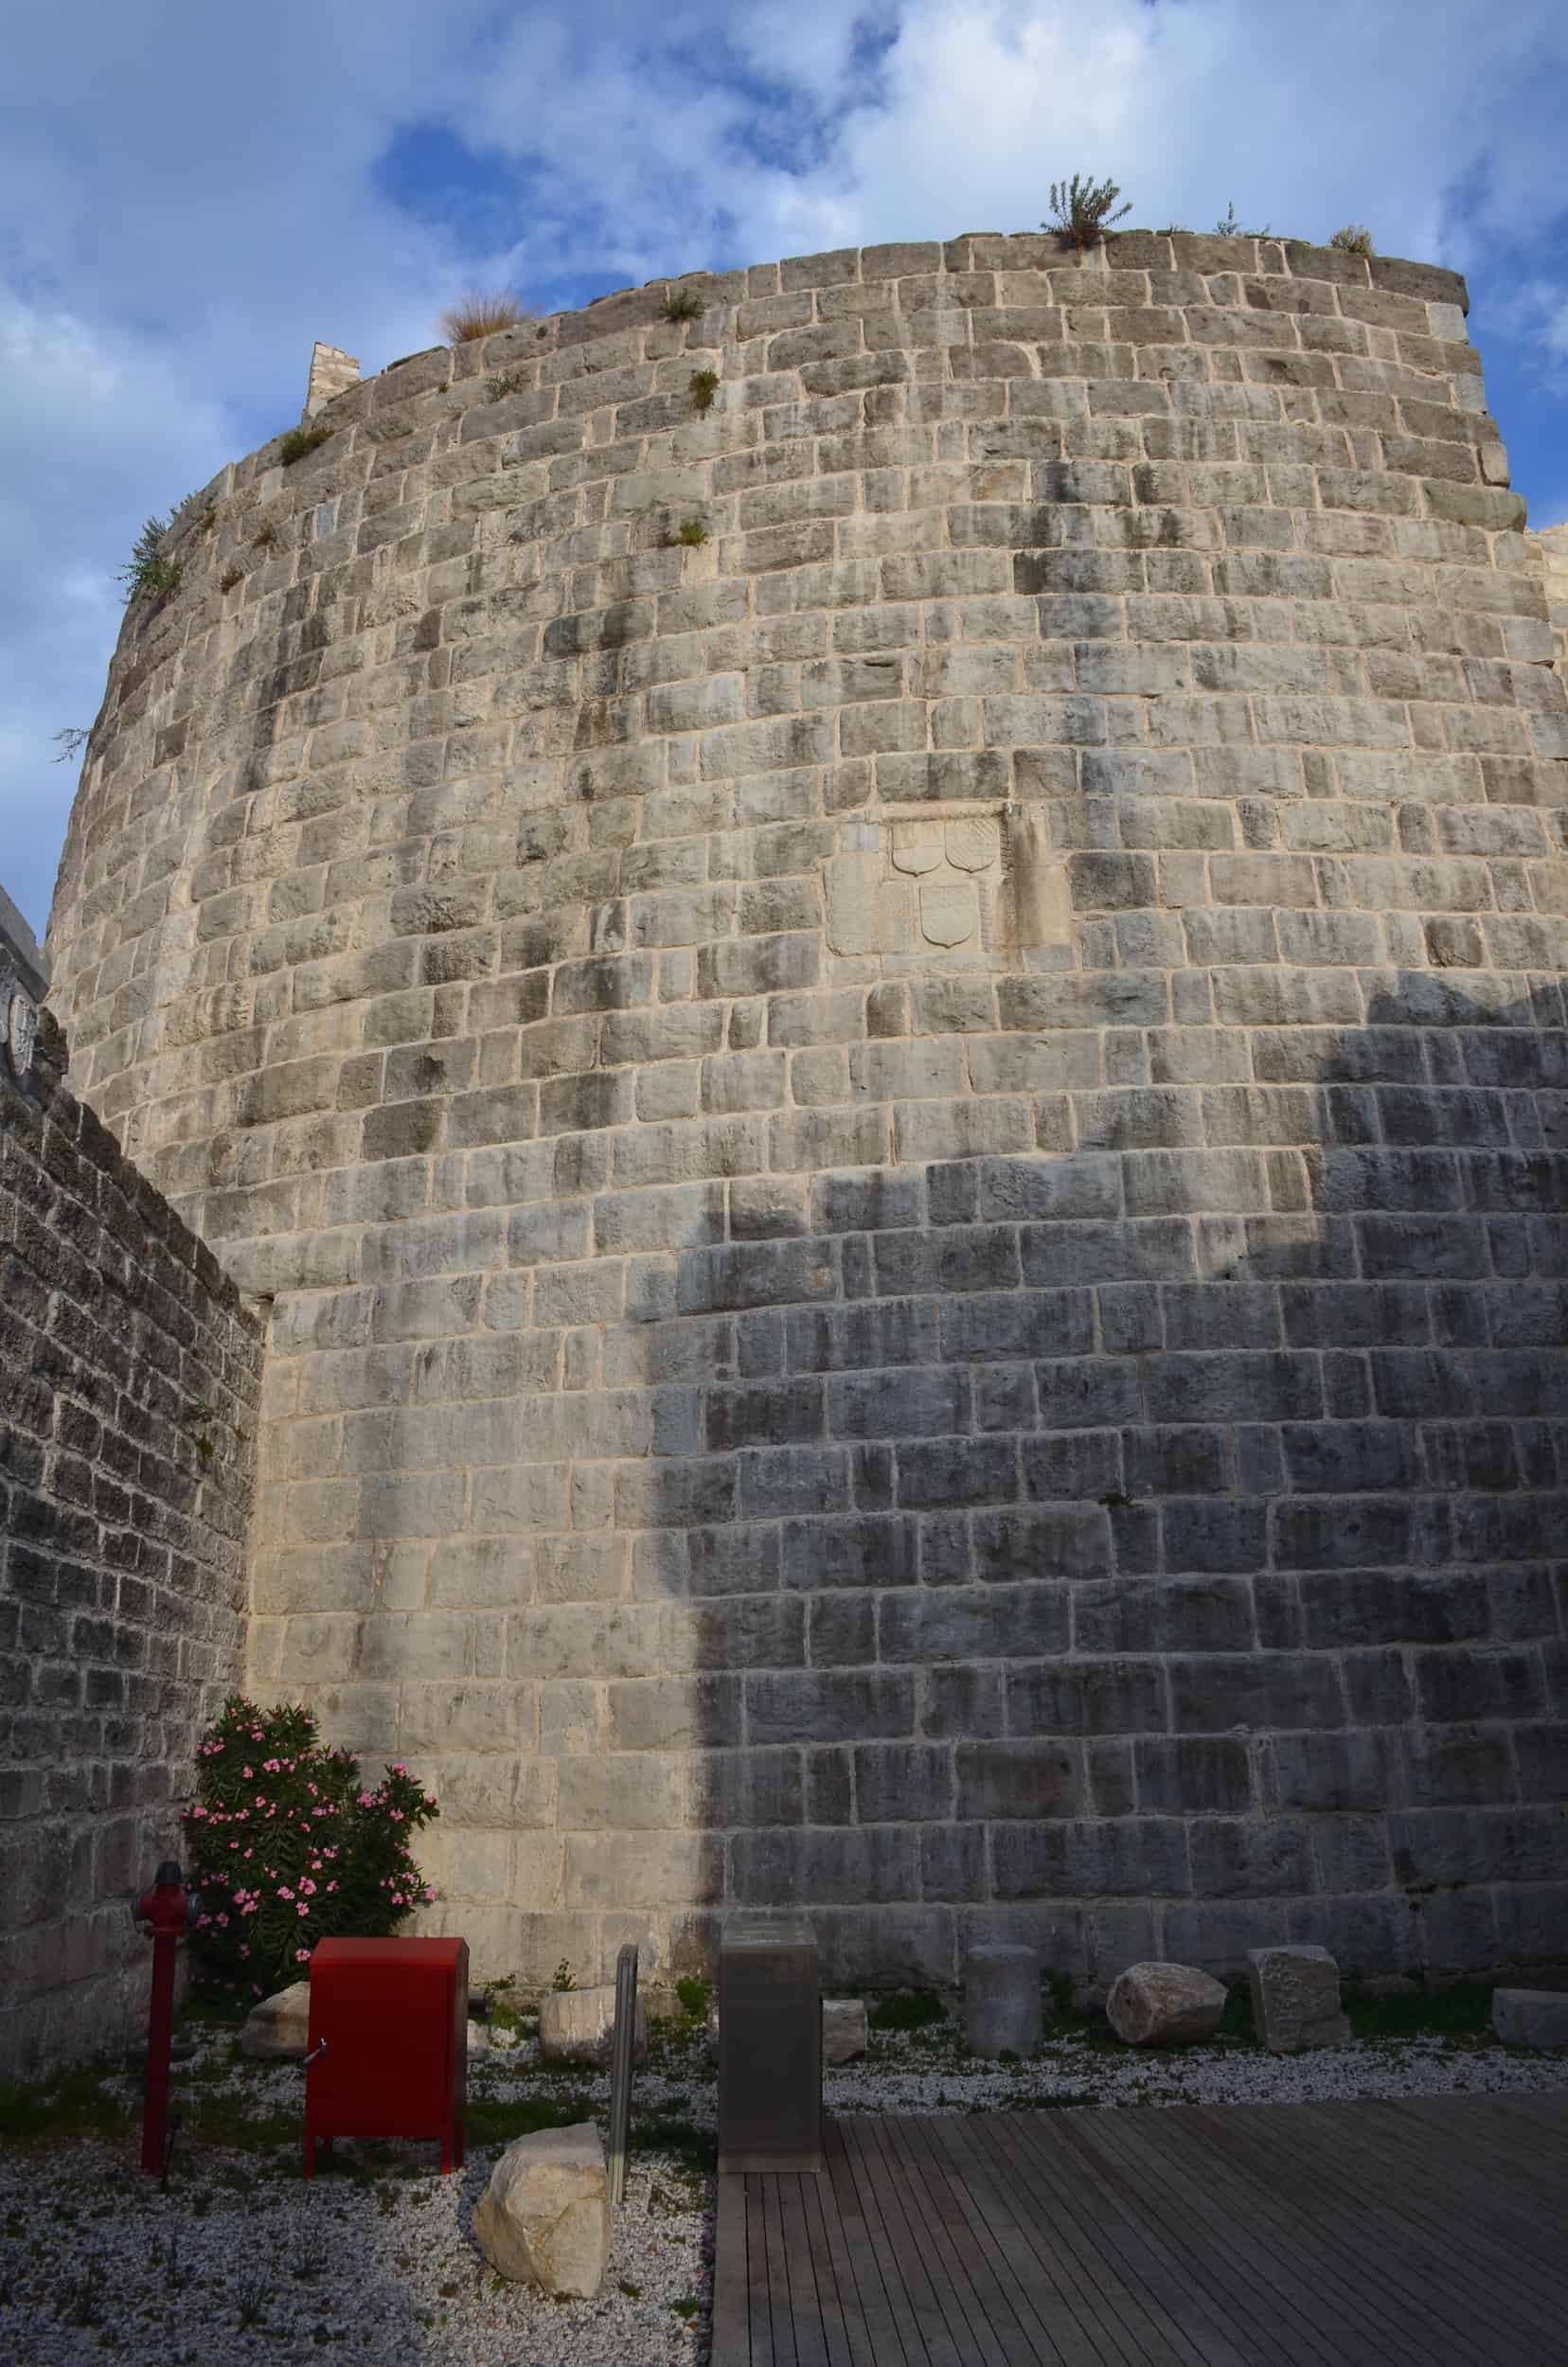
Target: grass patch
<point>482,314</point>
<point>505,382</point>
<point>702,386</point>
<point>696,2149</point>
<point>695,1996</point>
<point>494,2121</point>
<point>299,440</point>
<point>691,534</point>
<point>906,2009</point>
<point>1354,238</point>
<point>230,577</point>
<point>1463,2011</point>
<point>75,2103</point>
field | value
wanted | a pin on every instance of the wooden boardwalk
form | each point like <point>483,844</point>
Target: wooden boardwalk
<point>1430,2232</point>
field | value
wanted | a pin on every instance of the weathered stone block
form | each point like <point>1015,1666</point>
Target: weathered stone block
<point>1001,2010</point>
<point>1295,1999</point>
<point>1532,2017</point>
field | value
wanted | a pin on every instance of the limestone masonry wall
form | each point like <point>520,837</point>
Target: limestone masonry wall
<point>129,1381</point>
<point>909,1153</point>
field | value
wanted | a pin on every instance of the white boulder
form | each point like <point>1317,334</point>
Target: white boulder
<point>1164,2005</point>
<point>279,2030</point>
<point>545,2218</point>
<point>843,2029</point>
<point>579,2025</point>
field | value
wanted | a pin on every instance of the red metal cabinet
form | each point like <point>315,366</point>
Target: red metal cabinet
<point>388,2050</point>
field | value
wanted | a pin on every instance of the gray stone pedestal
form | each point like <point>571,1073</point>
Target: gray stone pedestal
<point>1531,2017</point>
<point>1002,2012</point>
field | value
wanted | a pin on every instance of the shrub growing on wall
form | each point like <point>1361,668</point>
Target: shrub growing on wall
<point>288,1845</point>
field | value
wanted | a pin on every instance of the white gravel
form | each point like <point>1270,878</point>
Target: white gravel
<point>381,2270</point>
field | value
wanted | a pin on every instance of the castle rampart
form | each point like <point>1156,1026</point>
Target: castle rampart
<point>893,1053</point>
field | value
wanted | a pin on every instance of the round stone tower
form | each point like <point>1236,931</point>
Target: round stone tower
<point>876,983</point>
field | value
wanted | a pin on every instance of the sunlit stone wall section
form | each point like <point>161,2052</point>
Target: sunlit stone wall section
<point>893,1052</point>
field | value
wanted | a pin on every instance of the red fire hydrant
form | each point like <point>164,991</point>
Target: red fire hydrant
<point>171,1910</point>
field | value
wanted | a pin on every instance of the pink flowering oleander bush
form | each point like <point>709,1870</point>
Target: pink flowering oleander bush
<point>288,1845</point>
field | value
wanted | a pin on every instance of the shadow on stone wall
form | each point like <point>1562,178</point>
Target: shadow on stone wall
<point>1146,1551</point>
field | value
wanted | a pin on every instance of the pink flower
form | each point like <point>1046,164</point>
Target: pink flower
<point>283,1891</point>
<point>197,1812</point>
<point>306,1889</point>
<point>302,1955</point>
<point>244,1951</point>
<point>428,1893</point>
<point>249,1774</point>
<point>302,1909</point>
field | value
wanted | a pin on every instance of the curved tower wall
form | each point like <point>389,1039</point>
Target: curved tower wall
<point>906,1153</point>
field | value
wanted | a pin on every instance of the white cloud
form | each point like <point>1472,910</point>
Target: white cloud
<point>191,197</point>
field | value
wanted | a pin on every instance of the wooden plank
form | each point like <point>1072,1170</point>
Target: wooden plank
<point>1061,2291</point>
<point>1448,2238</point>
<point>1086,2215</point>
<point>991,2335</point>
<point>885,2305</point>
<point>1418,2232</point>
<point>1349,2166</point>
<point>1033,2300</point>
<point>942,2333</point>
<point>780,2304</point>
<point>853,2338</point>
<point>1334,2293</point>
<point>758,2300</point>
<point>1223,2314</point>
<point>812,2300</point>
<point>732,2345</point>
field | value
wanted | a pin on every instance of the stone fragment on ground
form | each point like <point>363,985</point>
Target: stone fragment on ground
<point>486,2038</point>
<point>579,2025</point>
<point>1153,2005</point>
<point>1295,1999</point>
<point>545,2218</point>
<point>278,2029</point>
<point>1002,2012</point>
<point>844,2029</point>
<point>1537,2017</point>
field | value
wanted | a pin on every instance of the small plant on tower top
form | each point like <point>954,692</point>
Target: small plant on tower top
<point>681,304</point>
<point>1082,211</point>
<point>289,1845</point>
<point>1354,238</point>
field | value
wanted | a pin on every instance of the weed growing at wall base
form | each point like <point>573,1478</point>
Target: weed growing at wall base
<point>288,1845</point>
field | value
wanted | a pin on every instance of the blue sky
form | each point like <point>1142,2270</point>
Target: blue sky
<point>190,195</point>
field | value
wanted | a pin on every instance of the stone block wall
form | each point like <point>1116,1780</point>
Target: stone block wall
<point>895,1049</point>
<point>130,1376</point>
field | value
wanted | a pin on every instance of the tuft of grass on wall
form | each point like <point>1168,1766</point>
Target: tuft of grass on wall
<point>702,386</point>
<point>1354,238</point>
<point>479,314</point>
<point>692,533</point>
<point>265,537</point>
<point>681,304</point>
<point>504,384</point>
<point>299,440</point>
<point>148,569</point>
<point>1083,210</point>
<point>230,577</point>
